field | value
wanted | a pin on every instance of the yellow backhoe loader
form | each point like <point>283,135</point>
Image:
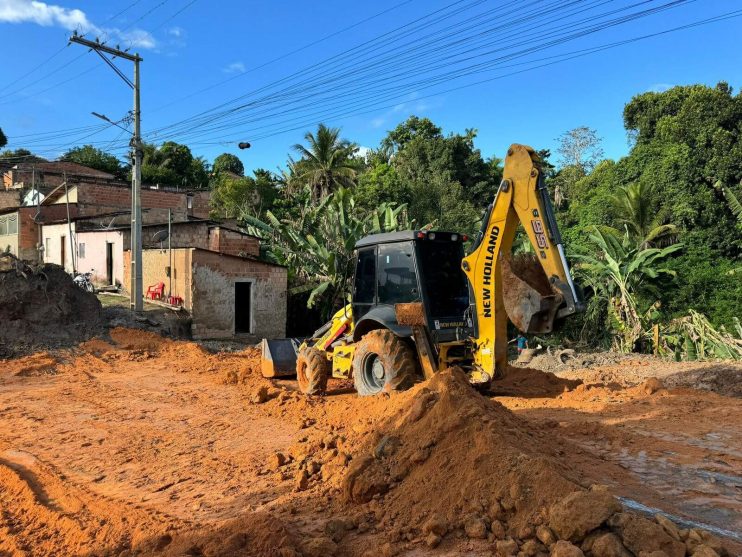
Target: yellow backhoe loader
<point>419,305</point>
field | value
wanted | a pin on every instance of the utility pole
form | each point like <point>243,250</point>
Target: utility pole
<point>136,302</point>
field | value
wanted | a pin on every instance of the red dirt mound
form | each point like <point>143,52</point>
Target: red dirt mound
<point>452,453</point>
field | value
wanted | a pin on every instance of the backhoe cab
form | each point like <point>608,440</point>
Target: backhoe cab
<point>420,305</point>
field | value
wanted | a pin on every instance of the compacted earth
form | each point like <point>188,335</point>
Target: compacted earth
<point>134,444</point>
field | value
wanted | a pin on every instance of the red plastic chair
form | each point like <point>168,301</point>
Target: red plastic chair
<point>155,292</point>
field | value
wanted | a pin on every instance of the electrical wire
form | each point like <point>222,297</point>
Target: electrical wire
<point>581,32</point>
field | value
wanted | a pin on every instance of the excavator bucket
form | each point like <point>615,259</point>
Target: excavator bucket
<point>279,356</point>
<point>530,301</point>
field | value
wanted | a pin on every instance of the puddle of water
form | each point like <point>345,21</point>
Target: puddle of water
<point>679,520</point>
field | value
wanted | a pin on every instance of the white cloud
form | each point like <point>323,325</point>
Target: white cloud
<point>409,106</point>
<point>177,32</point>
<point>234,67</point>
<point>72,19</point>
<point>363,152</point>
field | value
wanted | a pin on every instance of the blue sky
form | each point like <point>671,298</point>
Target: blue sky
<point>235,48</point>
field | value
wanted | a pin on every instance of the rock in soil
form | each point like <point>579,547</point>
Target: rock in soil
<point>563,548</point>
<point>643,535</point>
<point>576,515</point>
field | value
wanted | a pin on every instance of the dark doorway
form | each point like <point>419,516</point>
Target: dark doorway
<point>62,254</point>
<point>242,307</point>
<point>109,262</point>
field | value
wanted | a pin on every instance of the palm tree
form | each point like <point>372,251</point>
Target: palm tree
<point>326,163</point>
<point>619,273</point>
<point>635,213</point>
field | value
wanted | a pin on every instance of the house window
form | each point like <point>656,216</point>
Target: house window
<point>47,247</point>
<point>3,227</point>
<point>13,225</point>
<point>81,250</point>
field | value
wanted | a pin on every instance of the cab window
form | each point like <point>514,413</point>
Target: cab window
<point>365,276</point>
<point>397,280</point>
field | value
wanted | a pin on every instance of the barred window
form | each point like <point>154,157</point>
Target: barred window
<point>13,225</point>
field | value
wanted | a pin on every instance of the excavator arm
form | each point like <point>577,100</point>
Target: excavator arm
<point>532,294</point>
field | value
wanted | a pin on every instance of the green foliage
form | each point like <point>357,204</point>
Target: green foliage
<point>620,273</point>
<point>700,340</point>
<point>243,197</point>
<point>317,245</point>
<point>92,157</point>
<point>707,282</point>
<point>227,162</point>
<point>687,139</point>
<point>173,164</point>
<point>446,180</point>
<point>381,183</point>
<point>3,139</point>
<point>327,164</point>
<point>19,156</point>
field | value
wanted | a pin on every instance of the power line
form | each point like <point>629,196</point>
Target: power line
<point>283,56</point>
<point>303,88</point>
<point>355,111</point>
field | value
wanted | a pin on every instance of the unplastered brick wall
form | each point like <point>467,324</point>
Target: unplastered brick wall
<point>232,242</point>
<point>213,280</point>
<point>95,199</point>
<point>10,198</point>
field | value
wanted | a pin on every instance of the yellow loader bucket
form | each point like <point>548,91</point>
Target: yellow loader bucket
<point>530,301</point>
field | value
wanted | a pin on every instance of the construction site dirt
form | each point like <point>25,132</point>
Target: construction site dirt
<point>134,444</point>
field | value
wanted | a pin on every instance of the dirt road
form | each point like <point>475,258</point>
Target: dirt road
<point>141,445</point>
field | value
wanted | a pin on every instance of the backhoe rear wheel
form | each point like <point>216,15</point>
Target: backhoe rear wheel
<point>383,362</point>
<point>312,371</point>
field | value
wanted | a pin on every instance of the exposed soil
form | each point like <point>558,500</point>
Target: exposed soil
<point>41,307</point>
<point>136,444</point>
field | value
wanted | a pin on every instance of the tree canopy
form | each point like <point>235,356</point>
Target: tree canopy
<point>93,157</point>
<point>227,162</point>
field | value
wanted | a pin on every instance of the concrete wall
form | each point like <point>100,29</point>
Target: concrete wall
<point>154,264</point>
<point>94,257</point>
<point>213,311</point>
<point>29,231</point>
<point>9,225</point>
<point>54,235</point>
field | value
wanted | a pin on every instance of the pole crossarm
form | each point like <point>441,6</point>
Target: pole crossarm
<point>96,45</point>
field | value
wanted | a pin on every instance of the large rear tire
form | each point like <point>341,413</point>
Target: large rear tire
<point>383,362</point>
<point>312,371</point>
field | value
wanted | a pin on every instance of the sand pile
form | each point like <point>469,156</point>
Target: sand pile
<point>41,307</point>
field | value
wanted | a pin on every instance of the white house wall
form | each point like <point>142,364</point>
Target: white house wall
<point>94,257</point>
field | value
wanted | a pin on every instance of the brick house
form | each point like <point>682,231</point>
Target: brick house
<point>88,193</point>
<point>226,295</point>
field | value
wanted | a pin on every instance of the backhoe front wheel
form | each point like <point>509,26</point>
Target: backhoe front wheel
<point>312,371</point>
<point>383,362</point>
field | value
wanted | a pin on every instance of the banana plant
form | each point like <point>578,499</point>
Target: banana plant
<point>619,272</point>
<point>317,245</point>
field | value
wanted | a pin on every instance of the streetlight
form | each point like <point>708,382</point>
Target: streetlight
<point>243,145</point>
